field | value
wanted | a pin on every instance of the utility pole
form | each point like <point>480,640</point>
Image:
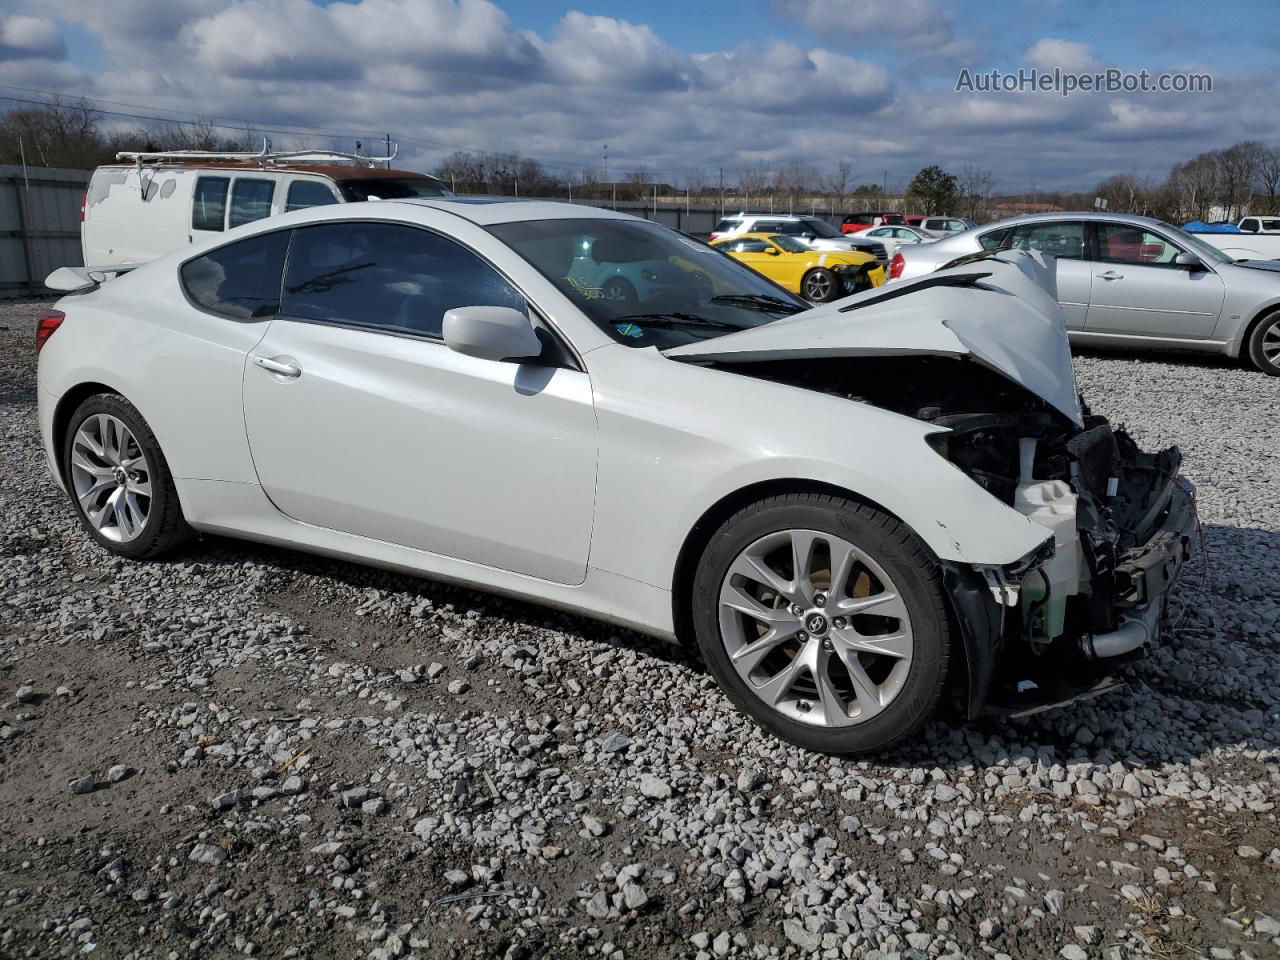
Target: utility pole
<point>884,188</point>
<point>722,191</point>
<point>388,153</point>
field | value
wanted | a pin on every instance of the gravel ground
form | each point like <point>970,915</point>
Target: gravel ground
<point>250,751</point>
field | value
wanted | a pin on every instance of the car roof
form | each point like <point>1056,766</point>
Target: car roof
<point>334,171</point>
<point>770,216</point>
<point>1128,218</point>
<point>484,211</point>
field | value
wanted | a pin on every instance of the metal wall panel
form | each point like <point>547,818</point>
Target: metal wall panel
<point>39,225</point>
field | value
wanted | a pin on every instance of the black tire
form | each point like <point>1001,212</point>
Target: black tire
<point>1264,338</point>
<point>164,527</point>
<point>903,557</point>
<point>820,285</point>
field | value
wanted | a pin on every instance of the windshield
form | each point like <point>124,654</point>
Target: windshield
<point>645,284</point>
<point>1206,251</point>
<point>391,188</point>
<point>788,244</point>
<point>820,228</point>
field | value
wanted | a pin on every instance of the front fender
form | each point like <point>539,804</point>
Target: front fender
<point>676,439</point>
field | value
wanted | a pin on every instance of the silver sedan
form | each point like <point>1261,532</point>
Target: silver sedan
<point>1134,282</point>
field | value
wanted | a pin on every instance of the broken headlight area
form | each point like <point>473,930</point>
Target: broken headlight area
<point>1121,521</point>
<point>1118,520</point>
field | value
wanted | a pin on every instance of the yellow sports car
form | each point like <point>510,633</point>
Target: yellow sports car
<point>814,274</point>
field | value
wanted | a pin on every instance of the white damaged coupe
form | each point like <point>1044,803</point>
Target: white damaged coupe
<point>859,511</point>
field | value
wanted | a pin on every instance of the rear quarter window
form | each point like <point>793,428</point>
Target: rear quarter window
<point>240,280</point>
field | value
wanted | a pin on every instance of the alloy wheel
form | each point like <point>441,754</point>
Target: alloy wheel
<point>817,286</point>
<point>111,477</point>
<point>815,628</point>
<point>1270,345</point>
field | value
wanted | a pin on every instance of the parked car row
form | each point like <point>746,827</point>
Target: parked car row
<point>857,511</point>
<point>1133,282</point>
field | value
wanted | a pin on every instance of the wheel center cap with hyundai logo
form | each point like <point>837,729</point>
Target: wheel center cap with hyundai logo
<point>816,623</point>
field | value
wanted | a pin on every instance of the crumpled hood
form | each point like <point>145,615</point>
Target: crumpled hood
<point>1001,311</point>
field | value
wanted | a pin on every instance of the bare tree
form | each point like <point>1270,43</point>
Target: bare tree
<point>1239,170</point>
<point>753,178</point>
<point>975,190</point>
<point>1269,175</point>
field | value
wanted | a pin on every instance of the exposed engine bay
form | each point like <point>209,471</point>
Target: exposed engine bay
<point>1121,518</point>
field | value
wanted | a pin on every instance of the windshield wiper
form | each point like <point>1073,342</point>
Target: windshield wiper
<point>673,319</point>
<point>761,301</point>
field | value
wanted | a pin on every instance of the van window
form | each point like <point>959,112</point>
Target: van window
<point>391,188</point>
<point>387,277</point>
<point>209,204</point>
<point>250,200</point>
<point>308,193</point>
<point>240,280</point>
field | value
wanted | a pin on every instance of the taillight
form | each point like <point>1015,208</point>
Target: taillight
<point>45,326</point>
<point>84,199</point>
<point>896,266</point>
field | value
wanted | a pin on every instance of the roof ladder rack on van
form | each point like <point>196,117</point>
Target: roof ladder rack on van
<point>264,157</point>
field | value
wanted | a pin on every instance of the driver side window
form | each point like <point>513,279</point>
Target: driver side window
<point>1122,243</point>
<point>388,277</point>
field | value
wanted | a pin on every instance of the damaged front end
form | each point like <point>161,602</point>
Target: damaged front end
<point>980,352</point>
<point>1121,521</point>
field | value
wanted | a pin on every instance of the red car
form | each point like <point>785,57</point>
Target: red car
<point>915,219</point>
<point>857,222</point>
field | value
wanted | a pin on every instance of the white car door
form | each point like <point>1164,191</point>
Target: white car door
<point>360,419</point>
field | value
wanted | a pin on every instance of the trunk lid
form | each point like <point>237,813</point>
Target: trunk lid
<point>1001,311</point>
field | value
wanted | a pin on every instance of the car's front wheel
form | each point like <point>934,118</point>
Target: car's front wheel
<point>1264,345</point>
<point>119,480</point>
<point>820,285</point>
<point>824,620</point>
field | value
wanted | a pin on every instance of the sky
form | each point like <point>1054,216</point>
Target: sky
<point>679,89</point>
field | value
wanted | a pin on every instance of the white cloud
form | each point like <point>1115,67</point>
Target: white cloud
<point>921,27</point>
<point>23,37</point>
<point>1051,52</point>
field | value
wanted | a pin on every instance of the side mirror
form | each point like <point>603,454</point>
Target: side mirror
<point>491,333</point>
<point>1189,261</point>
<point>772,251</point>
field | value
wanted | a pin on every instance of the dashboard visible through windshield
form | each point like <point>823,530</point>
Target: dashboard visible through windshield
<point>645,284</point>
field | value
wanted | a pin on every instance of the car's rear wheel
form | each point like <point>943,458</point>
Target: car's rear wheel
<point>824,620</point>
<point>820,285</point>
<point>1264,345</point>
<point>119,480</point>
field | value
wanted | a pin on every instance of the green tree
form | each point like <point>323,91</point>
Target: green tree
<point>935,189</point>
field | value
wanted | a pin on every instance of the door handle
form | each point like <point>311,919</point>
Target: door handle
<point>290,370</point>
<point>1109,275</point>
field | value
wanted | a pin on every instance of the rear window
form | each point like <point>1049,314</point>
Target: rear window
<point>308,193</point>
<point>391,188</point>
<point>725,226</point>
<point>250,200</point>
<point>209,203</point>
<point>240,280</point>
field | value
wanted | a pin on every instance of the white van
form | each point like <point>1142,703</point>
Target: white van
<point>137,211</point>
